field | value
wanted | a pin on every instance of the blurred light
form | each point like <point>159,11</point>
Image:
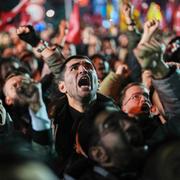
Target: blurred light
<point>41,26</point>
<point>144,5</point>
<point>178,14</point>
<point>106,24</point>
<point>50,13</point>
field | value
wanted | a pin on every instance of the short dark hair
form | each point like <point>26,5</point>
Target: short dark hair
<point>18,72</point>
<point>100,56</point>
<point>123,92</point>
<point>62,69</point>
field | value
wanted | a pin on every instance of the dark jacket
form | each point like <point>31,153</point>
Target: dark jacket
<point>168,90</point>
<point>66,120</point>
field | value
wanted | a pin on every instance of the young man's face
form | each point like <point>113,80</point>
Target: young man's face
<point>80,80</point>
<point>112,138</point>
<point>136,101</point>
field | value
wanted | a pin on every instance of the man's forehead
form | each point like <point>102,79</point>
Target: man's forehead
<point>137,89</point>
<point>16,78</point>
<point>77,60</point>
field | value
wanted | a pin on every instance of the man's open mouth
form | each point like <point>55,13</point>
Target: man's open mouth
<point>84,81</point>
<point>145,108</point>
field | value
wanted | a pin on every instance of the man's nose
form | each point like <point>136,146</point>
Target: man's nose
<point>82,69</point>
<point>143,98</point>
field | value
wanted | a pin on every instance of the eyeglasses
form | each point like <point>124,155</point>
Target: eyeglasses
<point>137,97</point>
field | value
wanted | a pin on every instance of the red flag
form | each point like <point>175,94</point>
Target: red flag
<point>6,17</point>
<point>177,21</point>
<point>74,34</point>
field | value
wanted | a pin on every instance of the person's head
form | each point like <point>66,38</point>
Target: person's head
<point>7,65</point>
<point>123,40</point>
<point>172,52</point>
<point>101,66</point>
<point>19,162</point>
<point>17,86</point>
<point>135,100</point>
<point>107,46</point>
<point>78,79</point>
<point>102,137</point>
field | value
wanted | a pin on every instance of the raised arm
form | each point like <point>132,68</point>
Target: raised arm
<point>51,54</point>
<point>114,82</point>
<point>63,29</point>
<point>150,28</point>
<point>166,80</point>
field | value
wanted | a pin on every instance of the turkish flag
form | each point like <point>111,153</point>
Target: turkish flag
<point>74,34</point>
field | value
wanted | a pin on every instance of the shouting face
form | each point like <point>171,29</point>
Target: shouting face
<point>80,81</point>
<point>18,90</point>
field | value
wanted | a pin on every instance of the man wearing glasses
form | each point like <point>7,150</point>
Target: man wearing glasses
<point>135,100</point>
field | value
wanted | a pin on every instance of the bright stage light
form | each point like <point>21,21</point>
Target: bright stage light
<point>50,13</point>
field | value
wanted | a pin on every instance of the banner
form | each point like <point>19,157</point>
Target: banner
<point>74,34</point>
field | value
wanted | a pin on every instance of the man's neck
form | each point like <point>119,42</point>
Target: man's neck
<point>80,106</point>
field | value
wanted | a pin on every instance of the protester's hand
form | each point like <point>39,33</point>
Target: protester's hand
<point>127,11</point>
<point>29,93</point>
<point>2,114</point>
<point>150,28</point>
<point>122,70</point>
<point>149,56</point>
<point>63,30</point>
<point>28,34</point>
<point>63,27</point>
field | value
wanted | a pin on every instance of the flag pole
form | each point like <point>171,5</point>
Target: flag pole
<point>68,8</point>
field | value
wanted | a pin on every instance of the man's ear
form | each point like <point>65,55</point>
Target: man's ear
<point>123,108</point>
<point>99,154</point>
<point>62,87</point>
<point>9,101</point>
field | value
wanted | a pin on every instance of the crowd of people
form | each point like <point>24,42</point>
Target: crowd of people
<point>107,108</point>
